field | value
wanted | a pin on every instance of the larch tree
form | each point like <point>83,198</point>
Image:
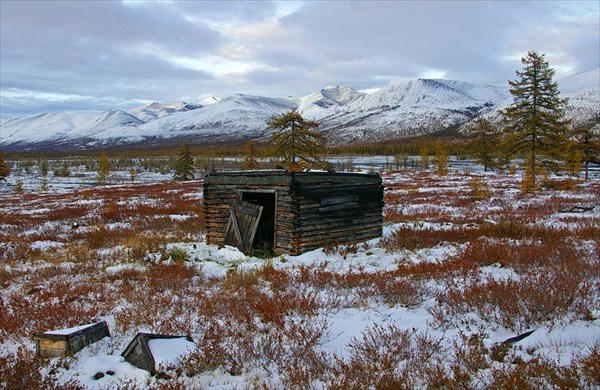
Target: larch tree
<point>424,153</point>
<point>251,157</point>
<point>585,142</point>
<point>294,140</point>
<point>536,124</point>
<point>103,168</point>
<point>64,172</point>
<point>184,168</point>
<point>4,167</point>
<point>44,168</point>
<point>485,138</point>
<point>132,174</point>
<point>441,157</point>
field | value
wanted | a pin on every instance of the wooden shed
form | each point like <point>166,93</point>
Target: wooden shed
<point>291,212</point>
<point>143,354</point>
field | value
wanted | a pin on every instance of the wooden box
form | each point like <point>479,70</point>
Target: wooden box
<point>64,342</point>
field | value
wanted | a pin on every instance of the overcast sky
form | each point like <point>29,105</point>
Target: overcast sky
<point>72,55</point>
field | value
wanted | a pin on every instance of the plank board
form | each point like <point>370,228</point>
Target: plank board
<point>243,222</point>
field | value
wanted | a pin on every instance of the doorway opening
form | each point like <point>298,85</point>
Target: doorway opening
<point>264,239</point>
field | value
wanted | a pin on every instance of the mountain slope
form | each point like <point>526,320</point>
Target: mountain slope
<point>69,128</point>
<point>155,110</point>
<point>235,117</point>
<point>583,92</point>
<point>345,115</point>
<point>404,109</point>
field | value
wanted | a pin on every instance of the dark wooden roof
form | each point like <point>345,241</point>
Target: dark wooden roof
<point>281,176</point>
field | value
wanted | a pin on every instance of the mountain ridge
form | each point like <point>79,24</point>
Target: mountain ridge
<point>400,110</point>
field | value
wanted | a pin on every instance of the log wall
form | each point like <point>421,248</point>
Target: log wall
<point>337,209</point>
<point>222,189</point>
<point>314,209</point>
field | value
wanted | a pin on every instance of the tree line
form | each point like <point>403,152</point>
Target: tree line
<point>533,128</point>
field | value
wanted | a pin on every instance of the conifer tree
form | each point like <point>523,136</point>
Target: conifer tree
<point>251,157</point>
<point>535,121</point>
<point>574,159</point>
<point>585,142</point>
<point>184,168</point>
<point>18,186</point>
<point>4,167</point>
<point>44,168</point>
<point>294,140</point>
<point>103,168</point>
<point>441,156</point>
<point>64,172</point>
<point>424,152</point>
<point>485,138</point>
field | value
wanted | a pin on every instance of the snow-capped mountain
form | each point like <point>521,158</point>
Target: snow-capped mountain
<point>400,110</point>
<point>63,128</point>
<point>235,117</point>
<point>583,92</point>
<point>209,100</point>
<point>345,115</point>
<point>155,110</point>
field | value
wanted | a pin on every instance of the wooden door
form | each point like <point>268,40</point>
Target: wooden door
<point>243,222</point>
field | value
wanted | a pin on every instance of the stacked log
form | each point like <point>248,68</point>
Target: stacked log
<point>337,209</point>
<point>313,209</point>
<point>224,188</point>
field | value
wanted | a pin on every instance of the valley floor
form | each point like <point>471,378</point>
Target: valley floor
<point>466,262</point>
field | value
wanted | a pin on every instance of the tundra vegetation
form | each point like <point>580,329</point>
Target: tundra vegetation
<point>466,261</point>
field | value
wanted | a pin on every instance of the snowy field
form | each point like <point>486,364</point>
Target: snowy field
<point>466,262</point>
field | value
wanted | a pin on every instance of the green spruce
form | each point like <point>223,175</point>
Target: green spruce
<point>536,126</point>
<point>184,167</point>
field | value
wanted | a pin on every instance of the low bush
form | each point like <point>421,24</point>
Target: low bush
<point>547,297</point>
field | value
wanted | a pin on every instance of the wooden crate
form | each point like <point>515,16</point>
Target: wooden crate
<point>64,342</point>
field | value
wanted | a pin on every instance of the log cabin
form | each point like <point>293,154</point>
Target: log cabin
<point>282,211</point>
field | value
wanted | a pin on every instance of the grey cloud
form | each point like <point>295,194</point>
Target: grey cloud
<point>64,24</point>
<point>88,48</point>
<point>466,39</point>
<point>91,48</point>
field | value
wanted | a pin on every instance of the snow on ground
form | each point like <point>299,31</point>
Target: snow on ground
<point>129,232</point>
<point>168,351</point>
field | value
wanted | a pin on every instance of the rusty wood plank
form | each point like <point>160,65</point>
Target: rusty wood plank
<point>236,228</point>
<point>242,226</point>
